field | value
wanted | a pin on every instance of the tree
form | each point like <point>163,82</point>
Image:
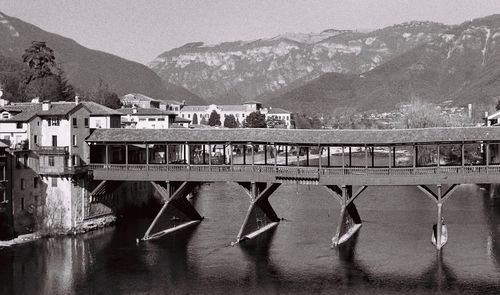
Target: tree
<point>230,122</point>
<point>255,120</point>
<point>273,122</point>
<point>301,121</point>
<point>497,107</point>
<point>203,121</point>
<point>343,118</point>
<point>195,119</point>
<point>214,119</point>
<point>103,95</point>
<point>44,78</point>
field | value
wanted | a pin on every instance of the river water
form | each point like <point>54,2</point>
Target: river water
<point>391,254</point>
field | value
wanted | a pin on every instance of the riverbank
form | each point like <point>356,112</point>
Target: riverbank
<point>84,227</point>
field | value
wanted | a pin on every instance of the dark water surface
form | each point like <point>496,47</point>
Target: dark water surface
<point>391,254</point>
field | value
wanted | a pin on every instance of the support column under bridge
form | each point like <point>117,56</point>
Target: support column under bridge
<point>349,220</point>
<point>184,214</point>
<point>260,216</point>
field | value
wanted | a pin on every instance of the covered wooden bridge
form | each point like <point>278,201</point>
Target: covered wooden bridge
<point>435,160</point>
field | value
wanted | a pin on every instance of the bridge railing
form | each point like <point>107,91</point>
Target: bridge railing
<point>302,172</point>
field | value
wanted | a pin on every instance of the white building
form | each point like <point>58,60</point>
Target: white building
<point>240,112</point>
<point>146,118</point>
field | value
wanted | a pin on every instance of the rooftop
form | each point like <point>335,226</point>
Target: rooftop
<point>145,112</point>
<point>301,136</point>
<point>273,111</point>
<point>99,109</point>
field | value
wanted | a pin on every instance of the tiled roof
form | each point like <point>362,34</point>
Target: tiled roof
<point>144,111</point>
<point>169,101</point>
<point>58,109</point>
<point>182,120</point>
<point>99,109</point>
<point>252,102</point>
<point>233,108</point>
<point>277,111</point>
<point>194,108</point>
<point>136,97</point>
<point>300,136</point>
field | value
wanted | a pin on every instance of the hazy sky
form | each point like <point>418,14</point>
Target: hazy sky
<point>142,29</point>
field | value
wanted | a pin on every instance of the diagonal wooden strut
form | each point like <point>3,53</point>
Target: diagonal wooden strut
<point>349,220</point>
<point>105,187</point>
<point>428,192</point>
<point>175,200</point>
<point>260,215</point>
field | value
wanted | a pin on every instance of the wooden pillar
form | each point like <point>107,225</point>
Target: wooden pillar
<point>414,156</point>
<point>319,156</point>
<point>286,155</point>
<point>350,157</point>
<point>366,158</point>
<point>438,155</point>
<point>328,150</point>
<point>126,154</point>
<point>463,154</point>
<point>390,160</point>
<point>224,154</point>
<point>107,153</point>
<point>298,156</point>
<point>393,156</point>
<point>343,158</point>
<point>253,155</point>
<point>307,156</point>
<point>204,153</point>
<point>275,156</point>
<point>244,154</point>
<point>209,154</point>
<point>373,156</point>
<point>231,153</point>
<point>487,154</point>
<point>166,154</point>
<point>147,153</point>
<point>265,154</point>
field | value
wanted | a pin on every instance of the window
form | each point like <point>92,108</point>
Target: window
<point>51,161</point>
<point>54,182</point>
<point>53,121</point>
<point>86,122</point>
<point>22,183</point>
<point>189,116</point>
<point>142,119</point>
<point>5,115</point>
<point>19,125</point>
<point>75,122</point>
<point>25,160</point>
<point>35,182</point>
<point>18,161</point>
<point>151,119</point>
<point>182,115</point>
<point>35,139</point>
<point>243,115</point>
<point>54,140</point>
<point>22,203</point>
<point>161,119</point>
<point>75,142</point>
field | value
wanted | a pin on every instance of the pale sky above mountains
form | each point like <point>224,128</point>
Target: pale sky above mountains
<point>142,29</point>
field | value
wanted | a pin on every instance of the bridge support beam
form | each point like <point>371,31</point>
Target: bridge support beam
<point>349,219</point>
<point>176,201</point>
<point>439,230</point>
<point>260,216</point>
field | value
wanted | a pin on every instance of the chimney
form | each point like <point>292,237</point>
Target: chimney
<point>77,99</point>
<point>469,108</point>
<point>134,109</point>
<point>35,100</point>
<point>46,105</point>
<point>183,103</point>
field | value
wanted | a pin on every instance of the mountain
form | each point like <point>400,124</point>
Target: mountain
<point>242,70</point>
<point>84,67</point>
<point>461,65</point>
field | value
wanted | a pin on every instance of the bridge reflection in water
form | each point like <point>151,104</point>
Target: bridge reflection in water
<point>175,161</point>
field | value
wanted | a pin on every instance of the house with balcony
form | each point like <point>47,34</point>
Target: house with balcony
<point>146,118</point>
<point>279,114</point>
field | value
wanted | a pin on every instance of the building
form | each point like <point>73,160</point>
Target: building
<point>279,114</point>
<point>102,116</point>
<point>149,118</point>
<point>240,112</point>
<point>146,102</point>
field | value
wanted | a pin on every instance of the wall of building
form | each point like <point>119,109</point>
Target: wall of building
<point>60,131</point>
<point>80,147</point>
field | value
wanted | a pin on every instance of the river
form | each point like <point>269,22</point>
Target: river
<point>391,254</point>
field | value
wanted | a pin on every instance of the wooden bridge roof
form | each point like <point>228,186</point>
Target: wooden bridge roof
<point>298,136</point>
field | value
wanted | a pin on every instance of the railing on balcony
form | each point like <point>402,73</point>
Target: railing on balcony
<point>62,170</point>
<point>52,149</point>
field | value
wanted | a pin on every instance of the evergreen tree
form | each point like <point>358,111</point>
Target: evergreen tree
<point>273,122</point>
<point>255,120</point>
<point>44,78</point>
<point>195,119</point>
<point>230,122</point>
<point>214,119</point>
<point>103,95</point>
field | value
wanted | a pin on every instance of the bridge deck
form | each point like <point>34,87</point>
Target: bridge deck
<point>304,175</point>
